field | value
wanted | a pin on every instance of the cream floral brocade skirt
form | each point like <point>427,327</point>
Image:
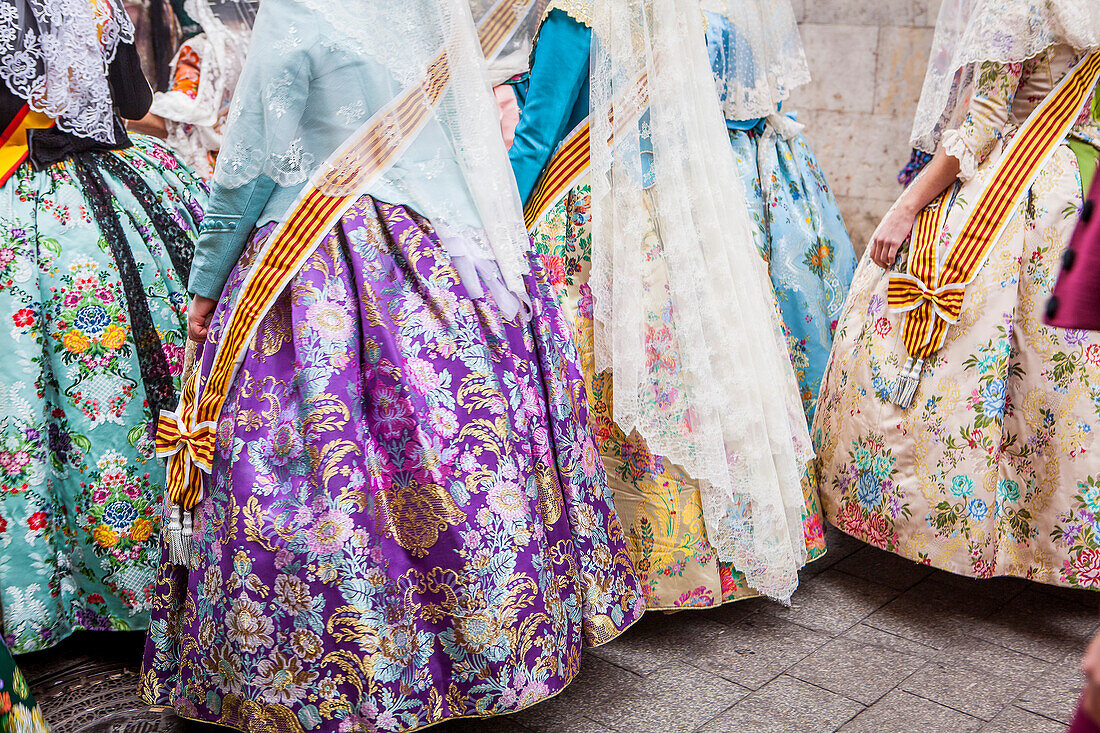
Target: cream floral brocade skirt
<point>993,469</point>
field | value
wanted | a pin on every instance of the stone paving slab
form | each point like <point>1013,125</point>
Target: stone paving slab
<point>870,644</point>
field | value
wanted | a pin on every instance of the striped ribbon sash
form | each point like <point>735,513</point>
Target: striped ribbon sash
<point>186,438</point>
<point>13,140</point>
<point>930,293</point>
<point>573,157</point>
<point>570,161</point>
<point>497,26</point>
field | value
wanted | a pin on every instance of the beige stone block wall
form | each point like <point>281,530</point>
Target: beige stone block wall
<point>867,60</point>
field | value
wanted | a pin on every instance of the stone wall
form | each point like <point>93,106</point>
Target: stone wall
<point>867,58</point>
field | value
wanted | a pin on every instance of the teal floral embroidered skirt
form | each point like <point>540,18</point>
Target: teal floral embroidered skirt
<point>92,313</point>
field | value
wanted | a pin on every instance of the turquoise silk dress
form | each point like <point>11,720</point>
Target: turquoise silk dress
<point>797,226</point>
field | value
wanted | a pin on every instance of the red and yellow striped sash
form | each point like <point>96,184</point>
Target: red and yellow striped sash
<point>570,161</point>
<point>573,157</point>
<point>187,437</point>
<point>14,147</point>
<point>498,25</point>
<point>931,295</point>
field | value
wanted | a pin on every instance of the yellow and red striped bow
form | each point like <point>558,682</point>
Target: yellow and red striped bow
<point>190,453</point>
<point>930,293</point>
<point>908,294</point>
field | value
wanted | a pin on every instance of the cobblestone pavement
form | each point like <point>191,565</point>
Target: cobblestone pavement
<point>872,643</point>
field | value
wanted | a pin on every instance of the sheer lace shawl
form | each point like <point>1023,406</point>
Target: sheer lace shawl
<point>762,59</point>
<point>970,32</point>
<point>514,56</point>
<point>329,65</point>
<point>55,55</point>
<point>687,320</point>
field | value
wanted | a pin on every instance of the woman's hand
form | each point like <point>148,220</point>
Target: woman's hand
<point>892,232</point>
<point>198,318</point>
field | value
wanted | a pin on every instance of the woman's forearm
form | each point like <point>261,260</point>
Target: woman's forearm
<point>150,124</point>
<point>940,173</point>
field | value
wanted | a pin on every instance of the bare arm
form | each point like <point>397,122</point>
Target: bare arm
<point>987,114</point>
<point>150,124</point>
<point>897,225</point>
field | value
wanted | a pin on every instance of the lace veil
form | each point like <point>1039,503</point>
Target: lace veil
<point>970,32</point>
<point>330,66</point>
<point>514,56</point>
<point>54,54</point>
<point>685,316</point>
<point>762,60</point>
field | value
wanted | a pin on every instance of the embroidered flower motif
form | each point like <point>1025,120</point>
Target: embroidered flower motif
<point>76,342</point>
<point>248,627</point>
<point>508,501</point>
<point>329,321</point>
<point>329,532</point>
<point>1087,568</point>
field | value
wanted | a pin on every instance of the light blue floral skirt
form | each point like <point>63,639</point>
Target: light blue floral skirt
<point>800,232</point>
<point>92,311</point>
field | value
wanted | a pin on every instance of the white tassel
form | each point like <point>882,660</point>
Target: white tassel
<point>908,380</point>
<point>179,546</point>
<point>188,531</point>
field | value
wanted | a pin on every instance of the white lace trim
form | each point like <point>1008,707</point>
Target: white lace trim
<point>764,59</point>
<point>57,58</point>
<point>970,32</point>
<point>954,144</point>
<point>330,67</point>
<point>685,317</point>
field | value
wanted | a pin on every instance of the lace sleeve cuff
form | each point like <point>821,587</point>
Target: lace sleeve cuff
<point>954,144</point>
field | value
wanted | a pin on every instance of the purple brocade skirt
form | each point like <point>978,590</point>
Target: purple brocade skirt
<point>408,519</point>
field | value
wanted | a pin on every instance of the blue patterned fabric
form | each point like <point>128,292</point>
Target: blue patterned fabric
<point>79,524</point>
<point>800,232</point>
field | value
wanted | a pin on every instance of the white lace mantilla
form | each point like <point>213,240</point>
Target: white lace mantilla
<point>763,60</point>
<point>56,58</point>
<point>686,318</point>
<point>970,32</point>
<point>328,68</point>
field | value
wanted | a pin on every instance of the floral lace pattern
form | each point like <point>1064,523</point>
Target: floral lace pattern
<point>659,504</point>
<point>55,55</point>
<point>761,58</point>
<point>283,124</point>
<point>970,33</point>
<point>667,316</point>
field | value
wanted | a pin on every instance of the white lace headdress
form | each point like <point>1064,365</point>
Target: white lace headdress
<point>328,66</point>
<point>685,316</point>
<point>970,32</point>
<point>55,54</point>
<point>763,59</point>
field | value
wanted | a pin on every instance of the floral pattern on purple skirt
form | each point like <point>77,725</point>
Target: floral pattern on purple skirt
<point>408,519</point>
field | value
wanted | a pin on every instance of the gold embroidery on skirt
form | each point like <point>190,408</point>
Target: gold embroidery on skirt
<point>415,515</point>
